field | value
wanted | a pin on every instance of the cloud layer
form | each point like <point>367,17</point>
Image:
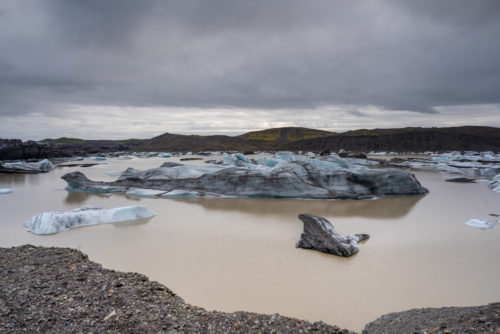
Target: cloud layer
<point>281,58</point>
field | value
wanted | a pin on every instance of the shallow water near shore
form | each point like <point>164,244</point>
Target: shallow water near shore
<point>239,254</point>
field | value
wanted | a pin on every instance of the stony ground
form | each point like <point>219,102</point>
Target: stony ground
<point>445,320</point>
<point>59,290</point>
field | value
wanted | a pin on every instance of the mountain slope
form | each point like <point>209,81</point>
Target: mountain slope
<point>476,138</point>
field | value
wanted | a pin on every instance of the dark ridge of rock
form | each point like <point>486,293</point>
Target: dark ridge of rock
<point>319,234</point>
<point>15,149</point>
<point>461,180</point>
<point>59,290</point>
<point>476,319</point>
<point>474,138</point>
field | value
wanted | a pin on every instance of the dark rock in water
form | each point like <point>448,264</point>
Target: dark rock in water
<point>248,152</point>
<point>325,152</point>
<point>461,180</point>
<point>358,156</point>
<point>343,153</point>
<point>319,234</point>
<point>189,159</point>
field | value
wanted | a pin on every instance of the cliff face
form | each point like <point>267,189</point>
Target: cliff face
<point>16,149</point>
<point>432,140</point>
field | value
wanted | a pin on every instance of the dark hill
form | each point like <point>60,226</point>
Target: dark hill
<point>270,139</point>
<point>476,138</point>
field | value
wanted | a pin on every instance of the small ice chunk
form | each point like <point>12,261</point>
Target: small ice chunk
<point>481,223</point>
<point>139,192</point>
<point>165,155</point>
<point>54,221</point>
<point>40,166</point>
<point>495,184</point>
<point>4,191</point>
<point>99,158</point>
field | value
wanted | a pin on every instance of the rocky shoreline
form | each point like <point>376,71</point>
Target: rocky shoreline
<point>59,290</point>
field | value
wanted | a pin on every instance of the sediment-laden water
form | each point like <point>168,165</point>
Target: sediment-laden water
<point>239,254</point>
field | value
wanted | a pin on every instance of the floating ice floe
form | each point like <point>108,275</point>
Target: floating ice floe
<point>26,167</point>
<point>495,184</point>
<point>165,155</point>
<point>297,177</point>
<point>5,191</point>
<point>54,221</point>
<point>99,158</point>
<point>481,223</point>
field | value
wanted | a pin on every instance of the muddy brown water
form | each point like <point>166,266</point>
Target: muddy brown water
<point>239,254</point>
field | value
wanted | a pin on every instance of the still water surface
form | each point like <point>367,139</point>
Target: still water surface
<point>239,254</point>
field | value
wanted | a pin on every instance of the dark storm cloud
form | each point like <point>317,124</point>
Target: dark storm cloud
<point>396,55</point>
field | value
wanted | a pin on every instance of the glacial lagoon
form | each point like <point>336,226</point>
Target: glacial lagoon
<point>234,254</point>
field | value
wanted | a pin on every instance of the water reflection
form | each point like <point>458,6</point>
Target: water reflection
<point>78,197</point>
<point>384,208</point>
<point>10,180</point>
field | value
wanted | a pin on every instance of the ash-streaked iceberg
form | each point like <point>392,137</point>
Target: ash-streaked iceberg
<point>26,167</point>
<point>55,221</point>
<point>319,234</point>
<point>495,184</point>
<point>298,178</point>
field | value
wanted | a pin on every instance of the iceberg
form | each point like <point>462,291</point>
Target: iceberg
<point>287,179</point>
<point>99,158</point>
<point>319,234</point>
<point>138,192</point>
<point>26,167</point>
<point>495,184</point>
<point>54,221</point>
<point>4,191</point>
<point>481,223</point>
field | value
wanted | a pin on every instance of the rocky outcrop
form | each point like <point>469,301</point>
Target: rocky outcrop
<point>16,149</point>
<point>287,179</point>
<point>319,234</point>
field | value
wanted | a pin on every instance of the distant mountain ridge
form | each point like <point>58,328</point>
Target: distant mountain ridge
<point>414,139</point>
<point>474,138</point>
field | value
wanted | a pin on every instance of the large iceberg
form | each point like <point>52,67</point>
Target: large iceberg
<point>26,167</point>
<point>54,221</point>
<point>300,178</point>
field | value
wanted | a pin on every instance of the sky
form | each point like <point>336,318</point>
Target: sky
<point>119,69</point>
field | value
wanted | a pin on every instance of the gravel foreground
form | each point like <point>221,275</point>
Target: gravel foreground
<point>59,290</point>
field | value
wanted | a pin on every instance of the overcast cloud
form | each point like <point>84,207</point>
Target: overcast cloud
<point>226,66</point>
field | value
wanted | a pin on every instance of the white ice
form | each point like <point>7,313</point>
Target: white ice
<point>481,223</point>
<point>4,191</point>
<point>40,166</point>
<point>54,221</point>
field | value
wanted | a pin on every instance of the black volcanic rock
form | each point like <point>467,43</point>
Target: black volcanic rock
<point>319,234</point>
<point>461,180</point>
<point>474,138</point>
